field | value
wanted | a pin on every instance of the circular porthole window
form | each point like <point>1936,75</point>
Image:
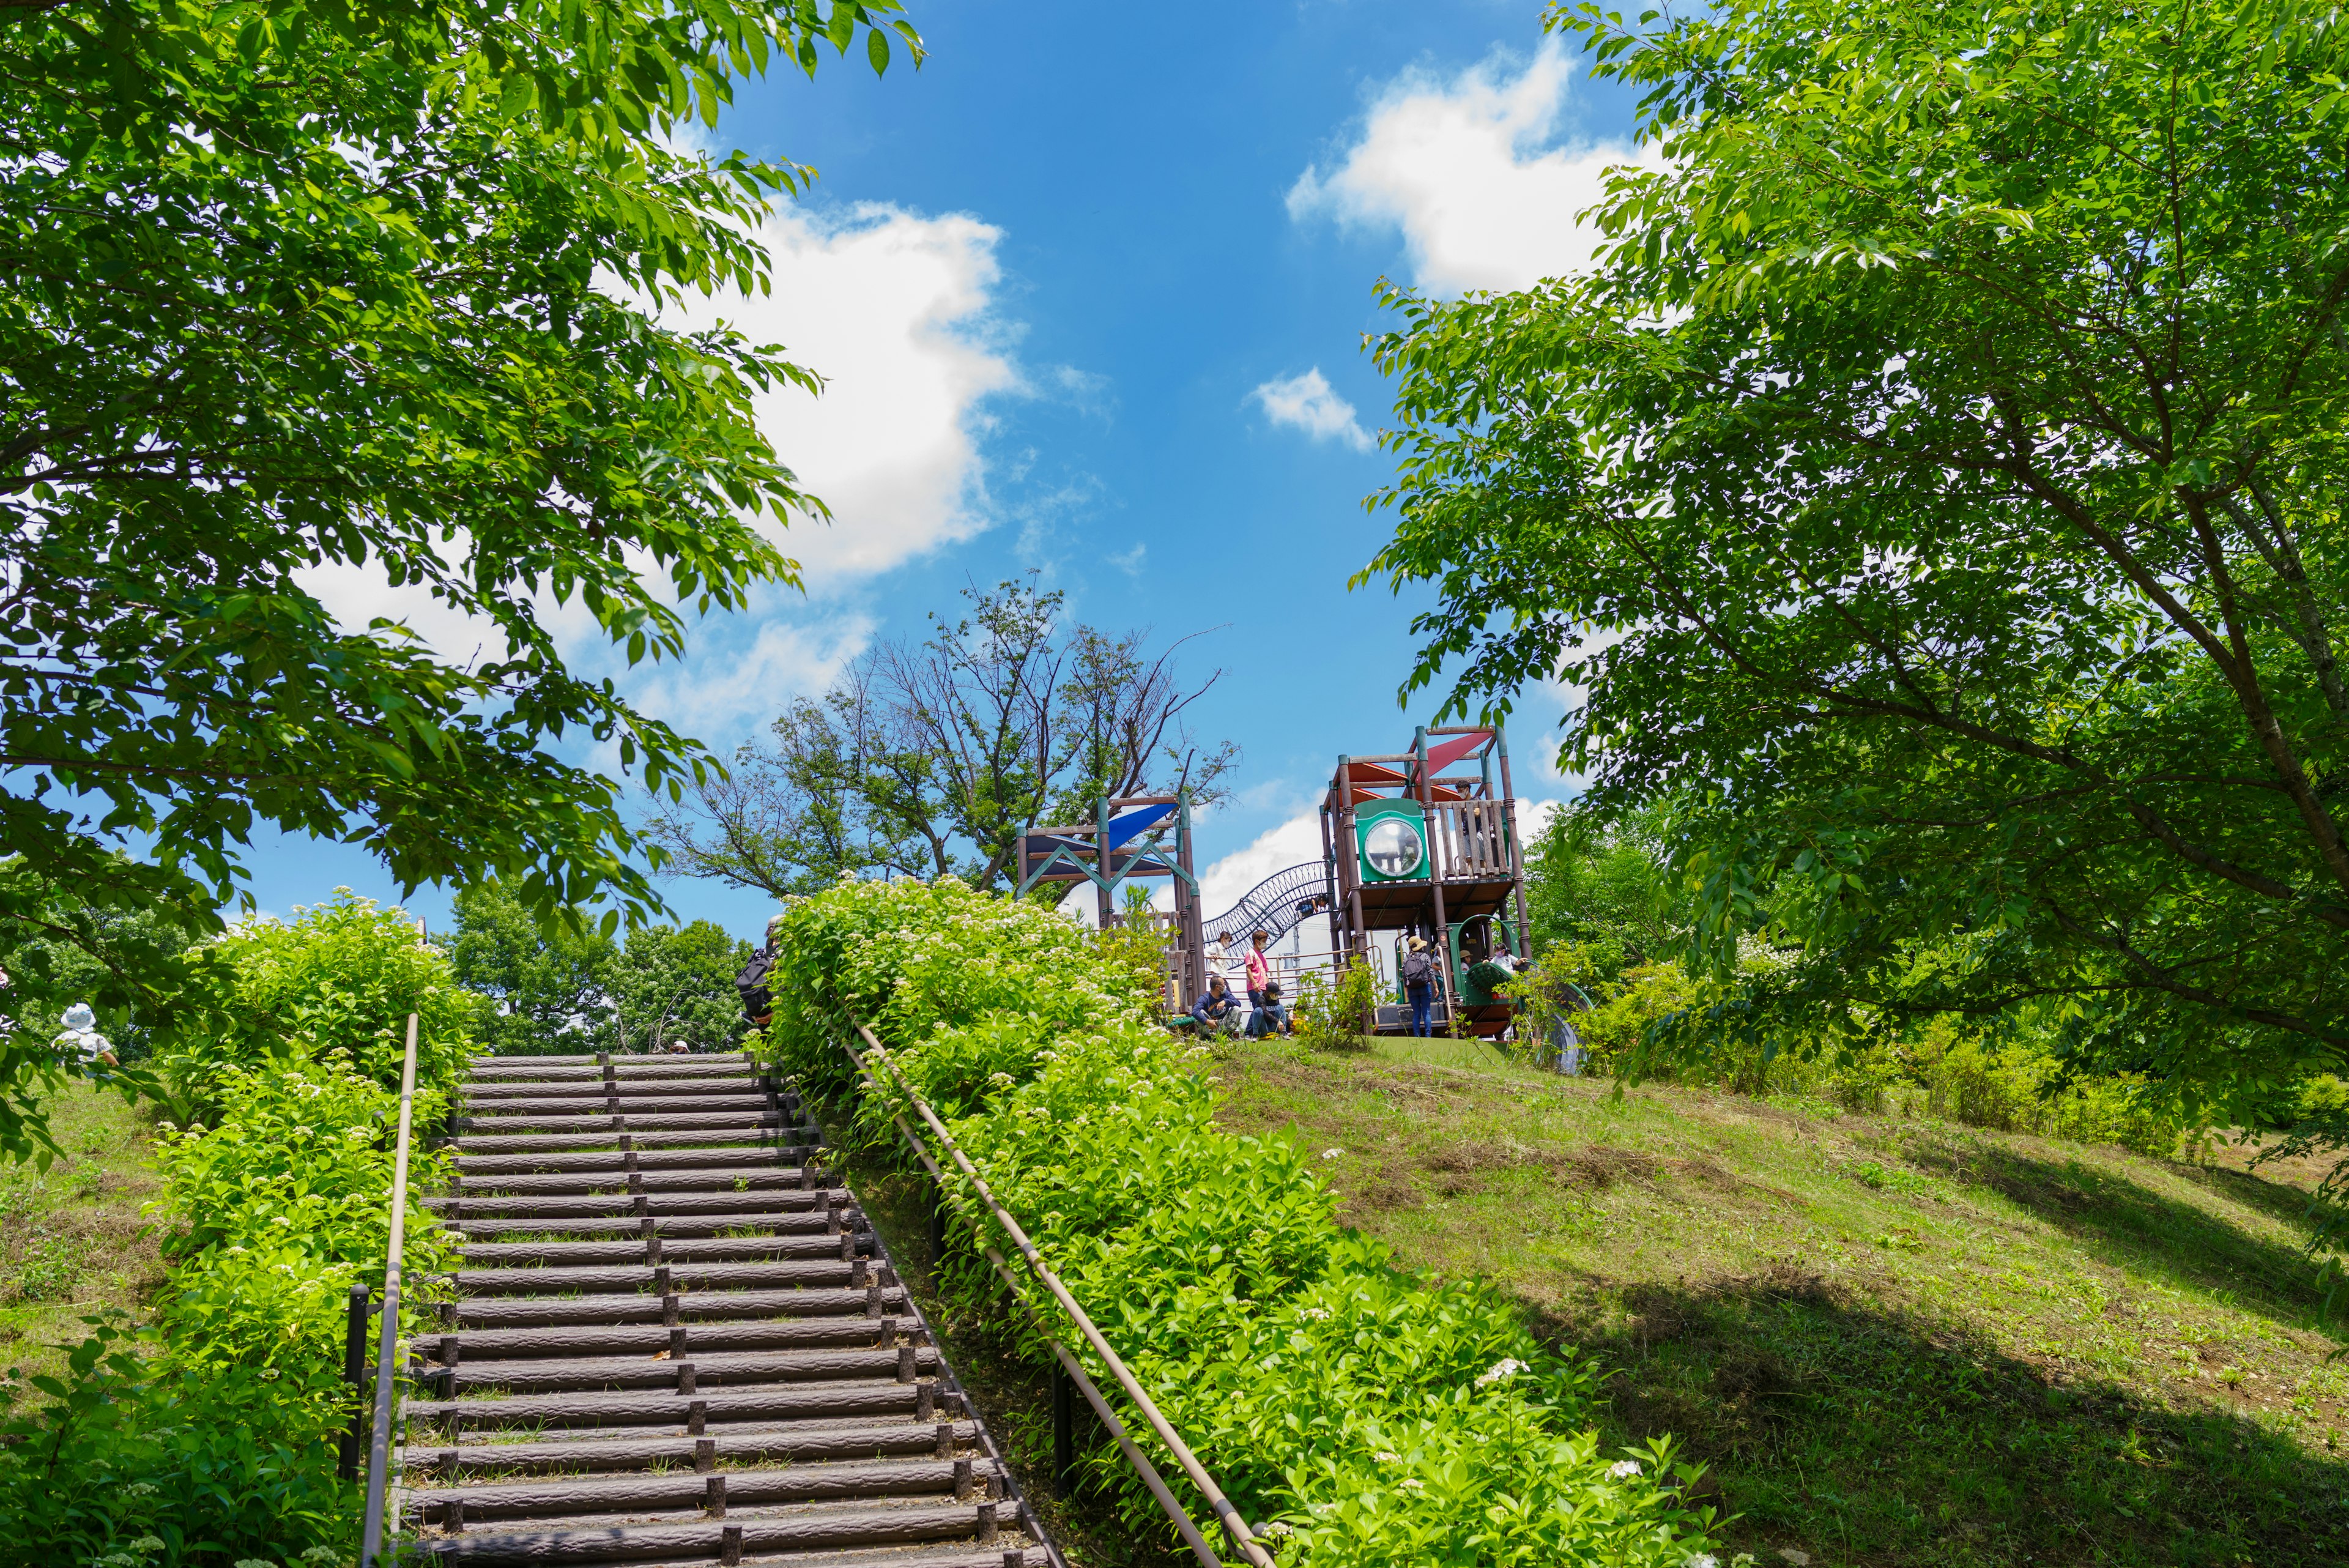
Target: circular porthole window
<point>1394,848</point>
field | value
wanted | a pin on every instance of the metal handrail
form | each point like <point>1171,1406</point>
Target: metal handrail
<point>1085,1384</point>
<point>388,1335</point>
<point>1229,1516</point>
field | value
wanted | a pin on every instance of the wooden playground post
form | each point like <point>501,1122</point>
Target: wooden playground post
<point>1525,942</point>
<point>1443,933</point>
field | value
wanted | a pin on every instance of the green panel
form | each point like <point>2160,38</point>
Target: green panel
<point>1391,854</point>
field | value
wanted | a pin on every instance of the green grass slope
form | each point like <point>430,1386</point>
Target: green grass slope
<point>1894,1342</point>
<point>72,1241</point>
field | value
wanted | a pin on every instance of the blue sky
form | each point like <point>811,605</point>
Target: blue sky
<point>1090,289</point>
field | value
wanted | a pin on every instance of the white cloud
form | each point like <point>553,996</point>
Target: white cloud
<point>1307,402</point>
<point>717,692</point>
<point>897,312</point>
<point>1467,168</point>
<point>1292,843</point>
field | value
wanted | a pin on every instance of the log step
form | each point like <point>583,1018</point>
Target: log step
<point>762,1402</point>
<point>799,1223</point>
<point>687,1338</point>
<point>614,1205</point>
<point>755,1171</point>
<point>817,1482</point>
<point>711,1248</point>
<point>739,1443</point>
<point>608,1124</point>
<point>786,1542</point>
<point>731,1368</point>
<point>549,1162</point>
<point>692,1306</point>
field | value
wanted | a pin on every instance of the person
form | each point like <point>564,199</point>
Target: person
<point>1221,960</point>
<point>83,1045</point>
<point>753,986</point>
<point>1259,968</point>
<point>1418,975</point>
<point>1270,1015</point>
<point>1217,1010</point>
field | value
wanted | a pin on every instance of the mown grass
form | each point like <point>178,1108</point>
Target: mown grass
<point>73,1242</point>
<point>1892,1340</point>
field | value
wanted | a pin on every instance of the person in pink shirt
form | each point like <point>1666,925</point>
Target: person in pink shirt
<point>1259,971</point>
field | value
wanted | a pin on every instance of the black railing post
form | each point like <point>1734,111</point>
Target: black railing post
<point>354,1360</point>
<point>1064,1431</point>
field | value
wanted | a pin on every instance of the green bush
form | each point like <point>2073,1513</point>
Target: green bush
<point>342,977</point>
<point>1330,1014</point>
<point>216,1444</point>
<point>1365,1416</point>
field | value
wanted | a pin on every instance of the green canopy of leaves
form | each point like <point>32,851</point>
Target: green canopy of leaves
<point>315,292</point>
<point>1936,488</point>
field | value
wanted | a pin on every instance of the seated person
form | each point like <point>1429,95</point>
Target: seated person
<point>1217,1012</point>
<point>1270,1015</point>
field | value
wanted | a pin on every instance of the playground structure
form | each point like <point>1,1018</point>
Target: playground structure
<point>1421,843</point>
<point>1416,850</point>
<point>1130,836</point>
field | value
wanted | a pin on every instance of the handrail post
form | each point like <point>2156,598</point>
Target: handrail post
<point>354,1437</point>
<point>388,1335</point>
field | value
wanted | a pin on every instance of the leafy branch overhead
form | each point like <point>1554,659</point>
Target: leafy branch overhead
<point>1935,487</point>
<point>299,311</point>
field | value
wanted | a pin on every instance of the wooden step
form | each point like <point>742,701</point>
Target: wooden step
<point>746,1442</point>
<point>714,1249</point>
<point>753,1402</point>
<point>877,1300</point>
<point>652,1338</point>
<point>745,1488</point>
<point>782,1540</point>
<point>711,1368</point>
<point>754,1172</point>
<point>802,1221</point>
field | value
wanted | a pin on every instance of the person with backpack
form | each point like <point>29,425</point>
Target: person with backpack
<point>751,985</point>
<point>1418,976</point>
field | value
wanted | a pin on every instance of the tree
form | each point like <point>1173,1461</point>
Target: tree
<point>668,985</point>
<point>932,758</point>
<point>1935,485</point>
<point>325,286</point>
<point>543,982</point>
<point>1602,887</point>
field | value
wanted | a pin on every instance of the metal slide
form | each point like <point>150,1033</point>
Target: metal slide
<point>1272,903</point>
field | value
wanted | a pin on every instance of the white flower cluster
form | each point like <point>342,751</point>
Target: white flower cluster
<point>1317,1314</point>
<point>1623,1470</point>
<point>1507,1367</point>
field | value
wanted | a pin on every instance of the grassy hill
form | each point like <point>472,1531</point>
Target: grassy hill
<point>72,1240</point>
<point>1893,1341</point>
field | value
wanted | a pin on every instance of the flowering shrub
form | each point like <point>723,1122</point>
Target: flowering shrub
<point>1364,1415</point>
<point>208,1439</point>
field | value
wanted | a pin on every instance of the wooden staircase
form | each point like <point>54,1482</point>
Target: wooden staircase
<point>677,1340</point>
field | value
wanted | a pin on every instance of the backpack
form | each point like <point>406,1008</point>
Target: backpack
<point>751,985</point>
<point>1417,969</point>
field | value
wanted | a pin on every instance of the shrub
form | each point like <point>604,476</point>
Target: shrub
<point>1329,1015</point>
<point>215,1445</point>
<point>1367,1416</point>
<point>342,976</point>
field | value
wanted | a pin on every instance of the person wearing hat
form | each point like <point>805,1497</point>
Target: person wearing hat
<point>1418,974</point>
<point>82,1045</point>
